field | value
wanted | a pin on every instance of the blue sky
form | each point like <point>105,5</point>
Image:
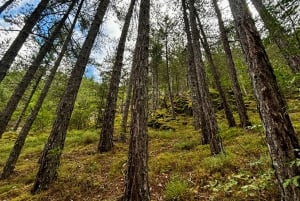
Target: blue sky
<point>15,9</point>
<point>92,72</point>
<point>110,27</point>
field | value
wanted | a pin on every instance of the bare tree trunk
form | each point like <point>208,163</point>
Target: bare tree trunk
<point>53,149</point>
<point>123,97</point>
<point>5,5</point>
<point>6,114</point>
<point>216,76</point>
<point>106,139</point>
<point>126,108</point>
<point>242,111</point>
<point>155,62</point>
<point>13,50</point>
<point>277,33</point>
<point>137,187</point>
<point>16,150</point>
<point>210,120</point>
<point>281,139</point>
<point>193,81</point>
<point>168,75</point>
<point>155,86</point>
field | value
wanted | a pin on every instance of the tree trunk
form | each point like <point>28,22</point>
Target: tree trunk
<point>193,85</point>
<point>156,60</point>
<point>155,86</point>
<point>34,87</point>
<point>192,79</point>
<point>168,75</point>
<point>137,187</point>
<point>216,76</point>
<point>281,139</point>
<point>242,111</point>
<point>210,120</point>
<point>106,139</point>
<point>277,33</point>
<point>5,5</point>
<point>14,48</point>
<point>15,152</point>
<point>126,108</point>
<point>6,114</point>
<point>52,151</point>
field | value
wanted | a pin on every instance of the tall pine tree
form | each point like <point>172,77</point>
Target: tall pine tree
<point>281,138</point>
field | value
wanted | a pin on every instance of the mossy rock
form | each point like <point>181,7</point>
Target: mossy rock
<point>153,123</point>
<point>166,127</point>
<point>183,105</point>
<point>217,101</point>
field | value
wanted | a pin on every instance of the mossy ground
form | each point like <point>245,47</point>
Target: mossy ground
<point>180,168</point>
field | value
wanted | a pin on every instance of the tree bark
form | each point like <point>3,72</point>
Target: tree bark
<point>216,76</point>
<point>126,108</point>
<point>13,50</point>
<point>106,139</point>
<point>52,151</point>
<point>210,120</point>
<point>192,79</point>
<point>242,111</point>
<point>281,139</point>
<point>16,150</point>
<point>277,33</point>
<point>137,187</point>
<point>171,96</point>
<point>156,60</point>
<point>155,86</point>
<point>5,5</point>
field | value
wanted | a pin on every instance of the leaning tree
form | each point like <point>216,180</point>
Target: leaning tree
<point>281,138</point>
<point>50,159</point>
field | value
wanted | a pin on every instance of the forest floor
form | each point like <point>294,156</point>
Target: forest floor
<point>180,168</point>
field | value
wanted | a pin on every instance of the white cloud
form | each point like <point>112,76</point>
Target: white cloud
<point>111,28</point>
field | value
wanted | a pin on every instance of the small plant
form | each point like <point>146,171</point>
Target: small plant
<point>176,189</point>
<point>296,179</point>
<point>244,182</point>
<point>256,127</point>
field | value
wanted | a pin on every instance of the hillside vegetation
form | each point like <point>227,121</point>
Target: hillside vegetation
<point>180,168</point>
<point>146,100</point>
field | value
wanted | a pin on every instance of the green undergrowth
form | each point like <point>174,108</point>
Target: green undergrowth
<point>180,167</point>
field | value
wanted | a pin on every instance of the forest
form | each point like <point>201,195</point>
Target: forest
<point>139,100</point>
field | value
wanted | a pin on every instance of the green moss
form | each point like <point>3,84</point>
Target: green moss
<point>221,163</point>
<point>186,145</point>
<point>180,168</point>
<point>118,166</point>
<point>6,188</point>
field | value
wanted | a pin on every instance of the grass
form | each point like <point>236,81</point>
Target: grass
<point>180,168</point>
<point>176,189</point>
